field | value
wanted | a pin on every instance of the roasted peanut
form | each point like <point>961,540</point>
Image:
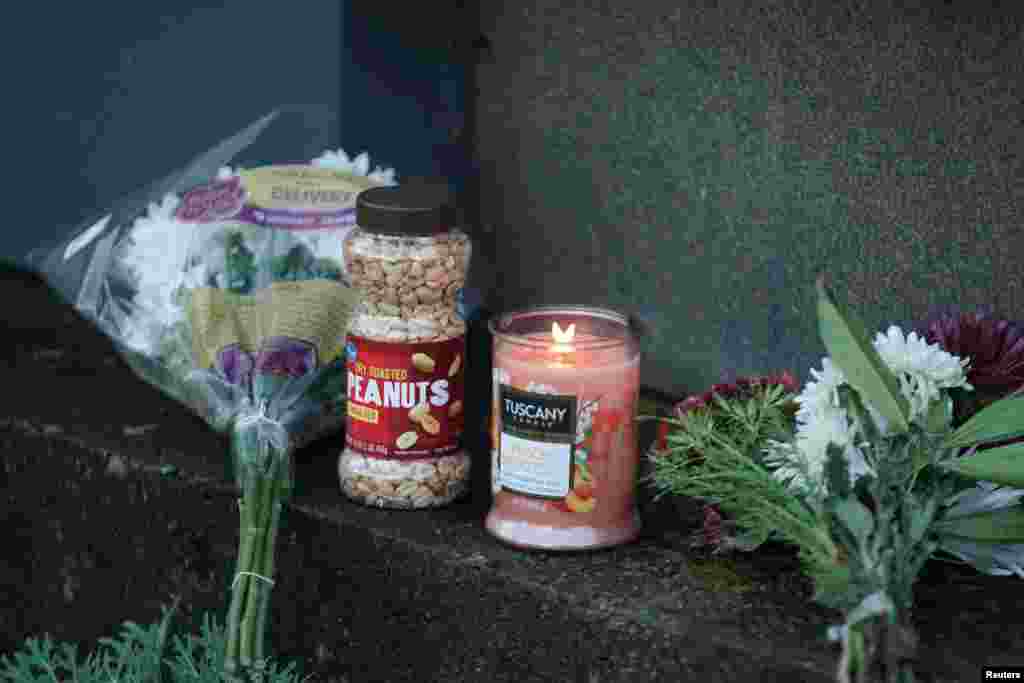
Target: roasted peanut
<point>388,309</point>
<point>423,362</point>
<point>406,440</point>
<point>455,409</point>
<point>415,269</point>
<point>428,295</point>
<point>407,487</point>
<point>456,364</point>
<point>430,424</point>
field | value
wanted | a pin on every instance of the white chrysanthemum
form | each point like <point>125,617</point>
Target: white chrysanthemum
<point>801,464</point>
<point>820,421</point>
<point>820,395</point>
<point>155,253</point>
<point>923,369</point>
<point>360,165</point>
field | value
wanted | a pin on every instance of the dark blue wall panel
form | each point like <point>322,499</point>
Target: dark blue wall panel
<point>110,101</point>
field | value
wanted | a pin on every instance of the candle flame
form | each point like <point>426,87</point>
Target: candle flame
<point>563,337</point>
<point>563,340</point>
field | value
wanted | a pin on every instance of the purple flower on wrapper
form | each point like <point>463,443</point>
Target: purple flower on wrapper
<point>287,357</point>
<point>234,364</point>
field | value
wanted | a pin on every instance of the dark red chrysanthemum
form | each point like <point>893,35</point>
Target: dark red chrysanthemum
<point>744,387</point>
<point>662,439</point>
<point>995,348</point>
<point>712,527</point>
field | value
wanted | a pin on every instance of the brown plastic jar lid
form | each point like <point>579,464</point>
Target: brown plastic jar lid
<point>418,209</point>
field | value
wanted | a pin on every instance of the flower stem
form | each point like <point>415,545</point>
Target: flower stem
<point>238,590</point>
<point>268,570</point>
<point>257,529</point>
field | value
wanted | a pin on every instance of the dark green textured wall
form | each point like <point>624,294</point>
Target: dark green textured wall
<point>709,162</point>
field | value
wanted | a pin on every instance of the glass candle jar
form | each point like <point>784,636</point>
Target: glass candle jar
<point>563,431</point>
<point>405,351</point>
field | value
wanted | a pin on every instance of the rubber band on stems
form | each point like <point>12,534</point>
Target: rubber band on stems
<point>278,436</point>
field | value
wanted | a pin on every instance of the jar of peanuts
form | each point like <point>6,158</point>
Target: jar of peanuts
<point>405,350</point>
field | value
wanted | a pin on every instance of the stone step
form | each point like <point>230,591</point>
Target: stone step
<point>116,499</point>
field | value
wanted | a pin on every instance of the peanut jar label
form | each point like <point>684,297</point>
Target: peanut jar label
<point>405,401</point>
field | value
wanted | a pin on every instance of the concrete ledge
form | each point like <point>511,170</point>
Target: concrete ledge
<point>101,533</point>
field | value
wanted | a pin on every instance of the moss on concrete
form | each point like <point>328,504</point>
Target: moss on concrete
<point>720,575</point>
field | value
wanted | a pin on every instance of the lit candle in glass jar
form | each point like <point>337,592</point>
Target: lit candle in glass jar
<point>564,451</point>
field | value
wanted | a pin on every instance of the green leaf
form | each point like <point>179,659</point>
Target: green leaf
<point>940,415</point>
<point>850,401</point>
<point>749,540</point>
<point>851,350</point>
<point>855,517</point>
<point>1004,465</point>
<point>917,519</point>
<point>330,383</point>
<point>982,555</point>
<point>998,526</point>
<point>832,586</point>
<point>837,471</point>
<point>1001,420</point>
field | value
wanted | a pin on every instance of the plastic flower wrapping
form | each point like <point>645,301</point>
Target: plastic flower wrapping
<point>229,292</point>
<point>225,287</point>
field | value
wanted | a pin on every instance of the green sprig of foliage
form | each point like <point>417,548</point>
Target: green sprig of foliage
<point>136,656</point>
<point>713,454</point>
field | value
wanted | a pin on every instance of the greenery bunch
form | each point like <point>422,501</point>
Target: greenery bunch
<point>136,656</point>
<point>891,484</point>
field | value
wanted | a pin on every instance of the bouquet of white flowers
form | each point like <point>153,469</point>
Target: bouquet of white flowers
<point>874,482</point>
<point>226,289</point>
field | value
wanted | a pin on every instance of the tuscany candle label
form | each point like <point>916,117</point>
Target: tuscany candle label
<point>538,433</point>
